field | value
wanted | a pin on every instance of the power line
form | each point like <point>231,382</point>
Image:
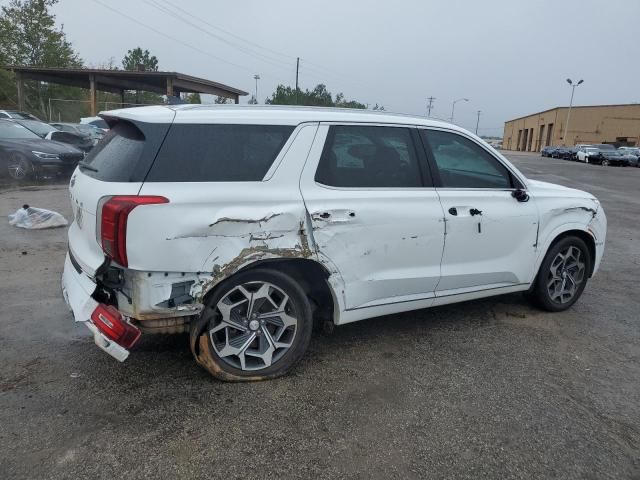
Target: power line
<point>289,57</point>
<point>275,62</point>
<point>173,39</point>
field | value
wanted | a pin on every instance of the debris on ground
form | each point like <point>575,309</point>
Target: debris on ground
<point>36,218</point>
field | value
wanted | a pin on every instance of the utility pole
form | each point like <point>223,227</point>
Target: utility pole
<point>431,99</point>
<point>477,122</point>
<point>566,125</point>
<point>297,71</point>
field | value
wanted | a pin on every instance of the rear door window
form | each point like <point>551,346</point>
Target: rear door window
<point>218,153</point>
<point>357,156</point>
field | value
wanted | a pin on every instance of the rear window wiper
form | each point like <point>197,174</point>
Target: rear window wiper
<point>83,164</point>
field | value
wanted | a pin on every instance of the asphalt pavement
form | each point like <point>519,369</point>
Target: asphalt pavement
<point>486,389</point>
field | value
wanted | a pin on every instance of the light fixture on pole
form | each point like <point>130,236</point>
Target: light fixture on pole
<point>453,106</point>
<point>566,125</point>
<point>256,77</point>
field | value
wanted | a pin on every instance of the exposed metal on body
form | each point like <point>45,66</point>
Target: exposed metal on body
<point>566,273</point>
<point>253,326</point>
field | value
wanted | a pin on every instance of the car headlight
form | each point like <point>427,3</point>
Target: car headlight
<point>46,156</point>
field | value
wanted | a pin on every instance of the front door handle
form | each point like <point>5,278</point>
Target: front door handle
<point>475,211</point>
<point>453,211</point>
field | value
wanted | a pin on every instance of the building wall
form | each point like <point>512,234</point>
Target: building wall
<point>618,124</point>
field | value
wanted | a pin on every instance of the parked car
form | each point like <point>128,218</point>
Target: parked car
<point>606,157</point>
<point>631,154</point>
<point>245,225</point>
<point>547,151</point>
<point>96,122</point>
<point>92,131</point>
<point>15,114</point>
<point>585,153</point>
<point>562,152</point>
<point>44,130</point>
<point>24,154</point>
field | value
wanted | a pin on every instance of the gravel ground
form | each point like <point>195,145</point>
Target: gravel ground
<point>485,389</point>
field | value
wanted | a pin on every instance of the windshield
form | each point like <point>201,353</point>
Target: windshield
<point>10,130</point>
<point>591,150</point>
<point>39,128</point>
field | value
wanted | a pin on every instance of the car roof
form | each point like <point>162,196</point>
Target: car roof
<point>267,114</point>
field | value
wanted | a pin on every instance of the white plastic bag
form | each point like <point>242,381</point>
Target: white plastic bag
<point>36,218</point>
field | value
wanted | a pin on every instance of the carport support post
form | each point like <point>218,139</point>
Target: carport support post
<point>237,99</point>
<point>92,95</point>
<point>121,98</point>
<point>20,86</point>
<point>169,87</point>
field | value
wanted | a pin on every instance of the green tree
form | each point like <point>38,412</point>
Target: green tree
<point>28,36</point>
<point>253,100</point>
<point>221,100</point>
<point>319,97</point>
<point>193,98</point>
<point>137,59</point>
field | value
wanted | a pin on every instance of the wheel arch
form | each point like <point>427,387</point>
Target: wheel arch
<point>310,274</point>
<point>569,231</point>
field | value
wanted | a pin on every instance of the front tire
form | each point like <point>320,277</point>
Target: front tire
<point>255,326</point>
<point>20,167</point>
<point>563,274</point>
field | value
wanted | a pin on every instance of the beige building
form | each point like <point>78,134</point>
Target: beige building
<point>617,124</point>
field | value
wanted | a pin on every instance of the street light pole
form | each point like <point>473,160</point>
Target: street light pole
<point>477,122</point>
<point>256,77</point>
<point>566,125</point>
<point>453,106</point>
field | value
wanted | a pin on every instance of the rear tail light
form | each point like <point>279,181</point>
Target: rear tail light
<point>112,324</point>
<point>114,212</point>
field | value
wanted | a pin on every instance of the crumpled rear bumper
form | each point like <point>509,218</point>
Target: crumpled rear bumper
<point>77,289</point>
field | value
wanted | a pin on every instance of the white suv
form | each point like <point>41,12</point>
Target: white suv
<point>245,225</point>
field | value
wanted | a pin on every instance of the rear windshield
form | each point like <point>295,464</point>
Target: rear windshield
<point>218,153</point>
<point>117,155</point>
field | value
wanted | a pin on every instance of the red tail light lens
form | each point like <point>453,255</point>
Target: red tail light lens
<point>113,223</point>
<point>112,324</point>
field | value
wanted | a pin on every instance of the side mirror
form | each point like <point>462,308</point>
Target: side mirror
<point>520,195</point>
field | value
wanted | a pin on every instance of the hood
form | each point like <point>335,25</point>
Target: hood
<point>539,188</point>
<point>39,144</point>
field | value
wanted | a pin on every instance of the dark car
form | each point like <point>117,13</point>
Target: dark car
<point>85,129</point>
<point>24,154</point>
<point>17,115</point>
<point>547,151</point>
<point>631,154</point>
<point>609,156</point>
<point>44,130</point>
<point>562,152</point>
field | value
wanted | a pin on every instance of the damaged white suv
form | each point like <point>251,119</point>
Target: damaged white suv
<point>244,226</point>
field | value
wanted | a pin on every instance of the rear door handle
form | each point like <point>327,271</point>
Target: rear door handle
<point>475,211</point>
<point>453,211</point>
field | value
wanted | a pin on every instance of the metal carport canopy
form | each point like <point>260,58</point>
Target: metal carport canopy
<point>117,81</point>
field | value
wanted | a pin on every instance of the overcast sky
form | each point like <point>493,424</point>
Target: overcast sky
<point>509,57</point>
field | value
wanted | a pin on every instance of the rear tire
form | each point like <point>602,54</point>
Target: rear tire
<point>563,274</point>
<point>255,326</point>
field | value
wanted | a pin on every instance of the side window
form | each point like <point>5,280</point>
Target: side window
<point>218,153</point>
<point>463,164</point>
<point>369,157</point>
